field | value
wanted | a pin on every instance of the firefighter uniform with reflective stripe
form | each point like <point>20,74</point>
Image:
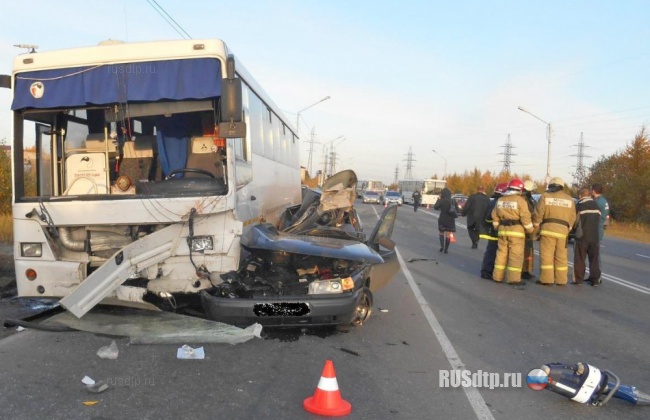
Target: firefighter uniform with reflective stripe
<point>513,219</point>
<point>554,214</point>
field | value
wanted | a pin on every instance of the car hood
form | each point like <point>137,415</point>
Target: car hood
<point>326,225</point>
<point>265,236</point>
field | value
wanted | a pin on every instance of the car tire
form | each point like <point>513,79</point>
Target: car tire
<point>364,308</point>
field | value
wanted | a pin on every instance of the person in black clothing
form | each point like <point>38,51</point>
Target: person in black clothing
<point>474,209</point>
<point>417,198</point>
<point>447,219</point>
<point>587,245</point>
<point>490,234</point>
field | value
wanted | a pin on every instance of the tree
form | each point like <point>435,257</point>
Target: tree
<point>5,181</point>
<point>625,177</point>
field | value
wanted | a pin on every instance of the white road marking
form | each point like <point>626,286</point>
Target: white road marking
<point>644,256</point>
<point>473,395</point>
<point>618,280</point>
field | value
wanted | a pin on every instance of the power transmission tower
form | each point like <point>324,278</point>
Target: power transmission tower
<point>311,149</point>
<point>507,155</point>
<point>580,175</point>
<point>408,174</point>
<point>396,174</point>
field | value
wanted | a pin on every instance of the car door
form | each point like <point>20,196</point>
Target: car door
<point>381,242</point>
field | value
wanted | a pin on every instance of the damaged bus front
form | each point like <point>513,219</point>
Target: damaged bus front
<point>138,166</point>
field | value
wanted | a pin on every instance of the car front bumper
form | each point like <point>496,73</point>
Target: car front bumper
<point>338,309</point>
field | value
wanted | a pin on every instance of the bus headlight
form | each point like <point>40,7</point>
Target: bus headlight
<point>29,249</point>
<point>202,244</point>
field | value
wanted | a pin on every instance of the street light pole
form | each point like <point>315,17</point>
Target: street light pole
<point>305,109</point>
<point>445,176</point>
<point>548,137</point>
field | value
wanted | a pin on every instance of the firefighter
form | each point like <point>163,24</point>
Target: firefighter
<point>529,249</point>
<point>513,219</point>
<point>554,216</point>
<point>490,234</point>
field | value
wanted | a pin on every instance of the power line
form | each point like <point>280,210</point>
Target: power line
<point>158,8</point>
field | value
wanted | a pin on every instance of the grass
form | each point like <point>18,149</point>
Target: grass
<point>631,231</point>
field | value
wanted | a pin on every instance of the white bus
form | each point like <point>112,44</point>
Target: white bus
<point>408,186</point>
<point>374,186</point>
<point>431,191</point>
<point>151,160</point>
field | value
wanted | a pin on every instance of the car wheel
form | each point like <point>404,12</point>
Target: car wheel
<point>364,308</point>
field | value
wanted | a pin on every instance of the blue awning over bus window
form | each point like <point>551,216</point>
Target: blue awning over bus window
<point>198,78</point>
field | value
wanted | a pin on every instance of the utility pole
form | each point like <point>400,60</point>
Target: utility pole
<point>507,155</point>
<point>408,174</point>
<point>396,173</point>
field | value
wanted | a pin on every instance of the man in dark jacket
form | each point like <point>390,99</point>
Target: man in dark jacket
<point>417,198</point>
<point>474,209</point>
<point>587,245</point>
<point>490,234</point>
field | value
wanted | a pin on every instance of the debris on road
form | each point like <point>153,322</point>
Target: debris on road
<point>146,327</point>
<point>94,387</point>
<point>109,352</point>
<point>187,352</point>
<point>421,259</point>
<point>346,350</point>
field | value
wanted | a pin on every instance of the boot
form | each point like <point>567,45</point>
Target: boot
<point>447,241</point>
<point>442,242</point>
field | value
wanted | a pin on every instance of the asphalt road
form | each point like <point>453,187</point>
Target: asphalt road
<point>436,314</point>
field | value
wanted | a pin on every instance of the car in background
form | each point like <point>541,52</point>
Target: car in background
<point>370,196</point>
<point>393,197</point>
<point>460,200</point>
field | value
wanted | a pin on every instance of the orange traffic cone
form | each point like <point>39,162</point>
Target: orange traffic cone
<point>385,204</point>
<point>327,399</point>
<point>452,238</point>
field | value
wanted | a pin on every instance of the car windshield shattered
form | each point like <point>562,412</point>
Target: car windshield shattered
<point>314,268</point>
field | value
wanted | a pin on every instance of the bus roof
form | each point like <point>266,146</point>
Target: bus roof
<point>116,52</point>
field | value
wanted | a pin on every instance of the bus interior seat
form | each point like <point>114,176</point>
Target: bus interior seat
<point>138,158</point>
<point>203,155</point>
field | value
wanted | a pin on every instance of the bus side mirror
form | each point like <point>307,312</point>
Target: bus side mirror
<point>5,81</point>
<point>230,119</point>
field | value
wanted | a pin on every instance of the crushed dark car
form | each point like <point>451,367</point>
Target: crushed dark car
<point>314,268</point>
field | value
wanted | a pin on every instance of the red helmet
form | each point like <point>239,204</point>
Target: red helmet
<point>501,188</point>
<point>516,184</point>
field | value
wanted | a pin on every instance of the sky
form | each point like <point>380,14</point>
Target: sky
<point>402,76</point>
